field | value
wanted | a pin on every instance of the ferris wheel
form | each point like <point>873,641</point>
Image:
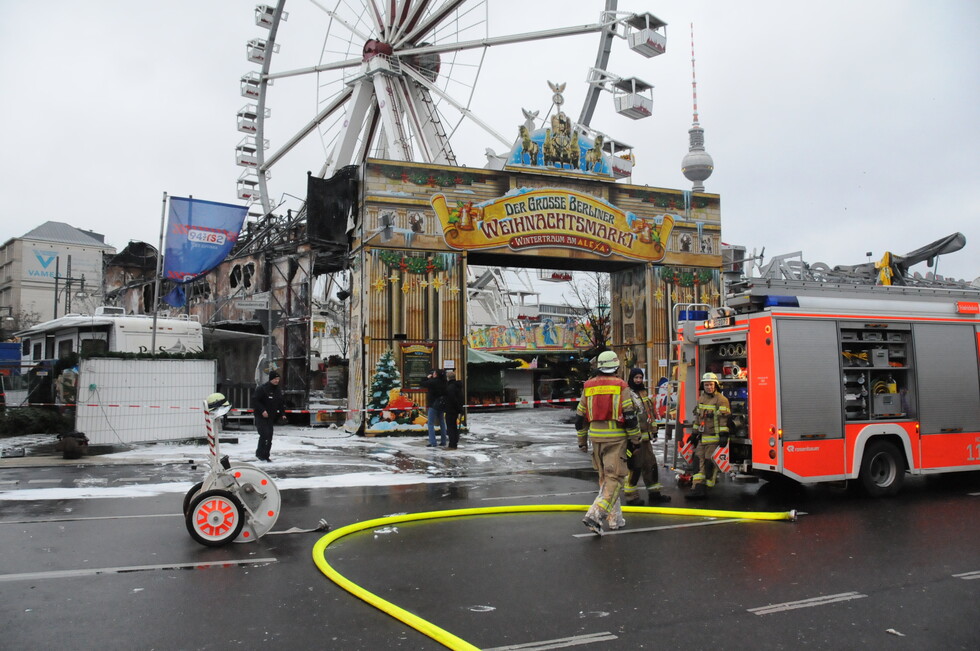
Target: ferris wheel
<point>395,79</point>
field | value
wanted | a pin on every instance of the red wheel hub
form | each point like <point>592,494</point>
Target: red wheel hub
<point>374,47</point>
<point>215,517</point>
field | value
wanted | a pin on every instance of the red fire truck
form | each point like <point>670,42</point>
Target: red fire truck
<point>833,382</point>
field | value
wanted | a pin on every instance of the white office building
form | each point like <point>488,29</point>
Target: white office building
<point>52,270</point>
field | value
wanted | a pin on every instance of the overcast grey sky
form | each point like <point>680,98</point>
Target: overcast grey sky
<point>837,128</point>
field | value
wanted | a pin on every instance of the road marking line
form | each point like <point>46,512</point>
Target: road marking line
<point>619,532</point>
<point>968,575</point>
<point>807,603</point>
<point>64,574</point>
<point>521,497</point>
<point>94,517</point>
<point>133,479</point>
<point>8,482</point>
<point>43,481</point>
<point>974,494</point>
<point>559,643</point>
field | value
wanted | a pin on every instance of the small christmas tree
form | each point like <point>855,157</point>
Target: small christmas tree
<point>386,378</point>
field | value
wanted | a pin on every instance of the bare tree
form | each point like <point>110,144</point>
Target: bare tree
<point>589,292</point>
<point>22,320</point>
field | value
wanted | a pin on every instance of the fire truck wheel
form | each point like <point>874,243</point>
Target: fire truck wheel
<point>882,469</point>
<point>195,489</point>
<point>215,518</point>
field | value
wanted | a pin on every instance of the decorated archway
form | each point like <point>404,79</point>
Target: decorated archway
<point>420,225</point>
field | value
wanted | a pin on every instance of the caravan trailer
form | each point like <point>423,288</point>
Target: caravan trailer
<point>110,329</point>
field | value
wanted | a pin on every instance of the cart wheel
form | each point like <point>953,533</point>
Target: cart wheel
<point>195,489</point>
<point>215,518</point>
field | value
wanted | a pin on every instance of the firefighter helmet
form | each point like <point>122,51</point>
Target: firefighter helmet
<point>709,377</point>
<point>218,405</point>
<point>607,362</point>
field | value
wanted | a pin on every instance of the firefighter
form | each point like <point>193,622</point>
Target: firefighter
<point>710,426</point>
<point>606,415</point>
<point>643,460</point>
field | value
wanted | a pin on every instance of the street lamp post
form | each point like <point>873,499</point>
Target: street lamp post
<point>68,281</point>
<point>5,319</point>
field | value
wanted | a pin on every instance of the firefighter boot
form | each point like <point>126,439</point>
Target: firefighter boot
<point>592,525</point>
<point>654,496</point>
<point>593,519</point>
<point>698,492</point>
<point>634,500</point>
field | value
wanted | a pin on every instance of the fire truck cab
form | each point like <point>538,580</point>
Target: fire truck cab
<point>834,382</point>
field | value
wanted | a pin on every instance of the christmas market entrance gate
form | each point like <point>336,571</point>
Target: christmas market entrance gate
<point>418,226</point>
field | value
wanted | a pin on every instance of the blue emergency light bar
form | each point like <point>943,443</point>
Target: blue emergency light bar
<point>781,301</point>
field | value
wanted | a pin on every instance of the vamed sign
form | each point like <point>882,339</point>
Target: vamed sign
<point>553,218</point>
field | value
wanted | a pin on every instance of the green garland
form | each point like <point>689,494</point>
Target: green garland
<point>427,177</point>
<point>412,264</point>
<point>687,278</point>
<point>668,201</point>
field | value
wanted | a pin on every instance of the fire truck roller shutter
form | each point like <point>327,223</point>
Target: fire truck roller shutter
<point>809,378</point>
<point>949,384</point>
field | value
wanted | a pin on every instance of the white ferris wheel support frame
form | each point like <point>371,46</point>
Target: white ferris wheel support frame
<point>388,77</point>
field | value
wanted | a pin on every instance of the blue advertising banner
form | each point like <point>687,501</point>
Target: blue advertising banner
<point>200,234</point>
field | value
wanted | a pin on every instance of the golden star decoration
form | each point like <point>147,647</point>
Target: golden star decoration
<point>393,278</point>
<point>379,284</point>
<point>424,284</point>
<point>673,295</point>
<point>659,295</point>
<point>437,283</point>
<point>406,288</point>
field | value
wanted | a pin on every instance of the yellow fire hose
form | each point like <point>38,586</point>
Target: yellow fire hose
<point>443,636</point>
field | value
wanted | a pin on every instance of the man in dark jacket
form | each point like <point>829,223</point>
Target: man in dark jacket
<point>268,407</point>
<point>435,386</point>
<point>454,402</point>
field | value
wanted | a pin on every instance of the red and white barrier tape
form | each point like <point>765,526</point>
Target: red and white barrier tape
<point>296,411</point>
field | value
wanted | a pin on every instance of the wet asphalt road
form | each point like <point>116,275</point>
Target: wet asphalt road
<point>851,573</point>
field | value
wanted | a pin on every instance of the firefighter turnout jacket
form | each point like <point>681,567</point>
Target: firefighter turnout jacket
<point>606,411</point>
<point>644,413</point>
<point>711,417</point>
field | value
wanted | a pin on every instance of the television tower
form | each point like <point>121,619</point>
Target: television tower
<point>697,164</point>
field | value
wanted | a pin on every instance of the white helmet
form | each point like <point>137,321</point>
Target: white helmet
<point>218,405</point>
<point>607,362</point>
<point>710,377</point>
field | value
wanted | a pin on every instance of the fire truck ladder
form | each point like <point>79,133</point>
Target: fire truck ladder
<point>675,369</point>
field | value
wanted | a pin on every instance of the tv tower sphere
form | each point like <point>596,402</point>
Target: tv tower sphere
<point>697,164</point>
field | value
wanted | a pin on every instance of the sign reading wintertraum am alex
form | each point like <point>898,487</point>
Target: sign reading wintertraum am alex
<point>553,218</point>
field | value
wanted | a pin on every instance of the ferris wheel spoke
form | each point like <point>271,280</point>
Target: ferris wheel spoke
<point>353,30</point>
<point>327,111</point>
<point>430,23</point>
<point>418,77</point>
<point>509,39</point>
<point>409,17</point>
<point>323,67</point>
